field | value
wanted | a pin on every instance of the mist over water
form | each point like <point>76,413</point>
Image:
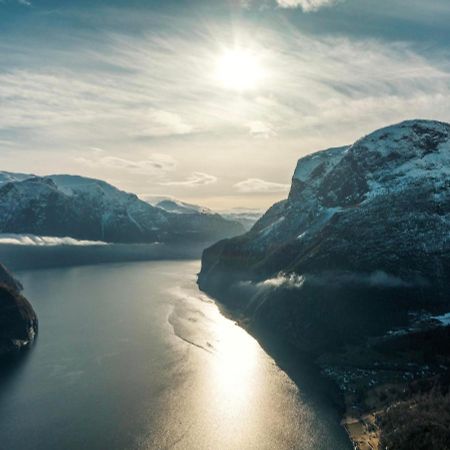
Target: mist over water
<point>133,356</point>
<point>49,252</point>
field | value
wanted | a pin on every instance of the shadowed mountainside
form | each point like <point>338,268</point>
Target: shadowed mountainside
<point>18,321</point>
<point>363,235</point>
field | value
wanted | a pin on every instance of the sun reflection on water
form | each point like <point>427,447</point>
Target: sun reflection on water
<point>234,367</point>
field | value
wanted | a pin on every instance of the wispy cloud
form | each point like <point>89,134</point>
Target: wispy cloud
<point>164,86</point>
<point>256,185</point>
<point>155,92</point>
<point>336,279</point>
<point>155,164</point>
<point>194,180</point>
<point>20,2</point>
<point>291,280</point>
<point>306,5</point>
<point>165,123</point>
<point>260,129</point>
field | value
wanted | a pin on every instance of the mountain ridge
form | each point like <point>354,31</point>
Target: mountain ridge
<point>353,269</point>
<point>320,199</point>
<point>91,209</point>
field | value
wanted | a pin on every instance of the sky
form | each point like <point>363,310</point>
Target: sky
<point>211,102</point>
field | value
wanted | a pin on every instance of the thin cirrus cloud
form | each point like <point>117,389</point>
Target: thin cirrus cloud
<point>306,5</point>
<point>155,164</point>
<point>155,92</point>
<point>258,186</point>
<point>312,81</point>
<point>194,180</point>
<point>20,2</point>
<point>261,129</point>
<point>165,123</point>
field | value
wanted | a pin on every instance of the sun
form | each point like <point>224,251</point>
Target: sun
<point>240,70</point>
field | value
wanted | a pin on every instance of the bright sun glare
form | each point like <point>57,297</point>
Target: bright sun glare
<point>240,70</point>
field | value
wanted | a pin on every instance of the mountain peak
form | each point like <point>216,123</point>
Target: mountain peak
<point>387,159</point>
<point>91,209</point>
<point>404,141</point>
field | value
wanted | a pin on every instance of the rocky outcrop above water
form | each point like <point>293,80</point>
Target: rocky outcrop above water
<point>7,279</point>
<point>18,321</point>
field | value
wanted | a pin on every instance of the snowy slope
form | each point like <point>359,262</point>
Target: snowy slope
<point>8,177</point>
<point>411,156</point>
<point>176,206</point>
<point>90,209</point>
<point>245,216</point>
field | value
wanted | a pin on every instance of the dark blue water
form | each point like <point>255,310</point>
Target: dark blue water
<point>133,356</point>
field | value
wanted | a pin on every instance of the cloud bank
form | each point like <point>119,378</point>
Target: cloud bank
<point>288,281</point>
<point>41,241</point>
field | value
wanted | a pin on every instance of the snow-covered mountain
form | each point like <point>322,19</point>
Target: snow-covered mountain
<point>9,177</point>
<point>245,216</point>
<point>361,243</point>
<point>91,209</point>
<point>176,206</point>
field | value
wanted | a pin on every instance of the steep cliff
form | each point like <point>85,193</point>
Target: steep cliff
<point>18,321</point>
<point>360,246</point>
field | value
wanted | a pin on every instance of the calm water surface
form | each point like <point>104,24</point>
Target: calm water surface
<point>133,356</point>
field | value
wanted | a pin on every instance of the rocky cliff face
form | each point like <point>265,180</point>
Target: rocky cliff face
<point>85,208</point>
<point>7,279</point>
<point>18,321</point>
<point>360,245</point>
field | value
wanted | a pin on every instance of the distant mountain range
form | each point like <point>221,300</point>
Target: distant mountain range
<point>91,209</point>
<point>245,216</point>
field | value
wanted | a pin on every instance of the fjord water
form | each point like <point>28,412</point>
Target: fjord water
<point>134,356</point>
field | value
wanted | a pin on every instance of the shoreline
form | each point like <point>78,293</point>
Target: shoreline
<point>362,431</point>
<point>385,386</point>
<point>286,402</point>
<point>352,383</point>
<point>300,368</point>
<point>325,388</point>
